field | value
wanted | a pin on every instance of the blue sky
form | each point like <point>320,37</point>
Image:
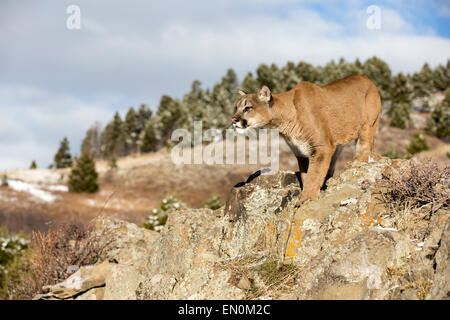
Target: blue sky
<point>422,14</point>
<point>56,82</point>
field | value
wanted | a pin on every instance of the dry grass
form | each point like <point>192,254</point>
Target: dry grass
<point>276,279</point>
<point>53,252</point>
<point>405,279</point>
<point>267,276</point>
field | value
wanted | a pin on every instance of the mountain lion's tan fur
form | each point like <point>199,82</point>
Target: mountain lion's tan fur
<point>315,122</point>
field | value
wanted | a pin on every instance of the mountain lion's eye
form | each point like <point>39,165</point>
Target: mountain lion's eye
<point>246,109</point>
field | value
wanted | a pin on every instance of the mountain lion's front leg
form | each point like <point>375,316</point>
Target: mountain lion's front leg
<point>317,170</point>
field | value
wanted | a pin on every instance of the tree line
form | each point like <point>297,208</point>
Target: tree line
<point>142,130</point>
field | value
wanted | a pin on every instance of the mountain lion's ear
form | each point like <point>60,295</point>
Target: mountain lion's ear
<point>241,92</point>
<point>264,94</point>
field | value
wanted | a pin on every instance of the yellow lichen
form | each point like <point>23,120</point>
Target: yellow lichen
<point>295,238</point>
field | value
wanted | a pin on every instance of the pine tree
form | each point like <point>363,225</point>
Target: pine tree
<point>307,72</point>
<point>358,66</point>
<point>131,131</point>
<point>113,138</point>
<point>195,106</point>
<point>4,181</point>
<point>62,158</point>
<point>439,122</point>
<point>417,144</point>
<point>401,101</point>
<point>84,177</point>
<point>230,80</point>
<point>441,77</point>
<point>220,102</point>
<point>330,72</point>
<point>269,76</point>
<point>148,140</point>
<point>290,77</point>
<point>220,106</point>
<point>250,84</point>
<point>423,82</point>
<point>400,115</point>
<point>33,165</point>
<point>169,114</point>
<point>379,72</point>
<point>144,114</point>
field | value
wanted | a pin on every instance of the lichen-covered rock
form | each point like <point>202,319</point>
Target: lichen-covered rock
<point>341,246</point>
<point>125,243</point>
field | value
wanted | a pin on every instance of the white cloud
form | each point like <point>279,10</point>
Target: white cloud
<point>34,121</point>
<point>55,82</point>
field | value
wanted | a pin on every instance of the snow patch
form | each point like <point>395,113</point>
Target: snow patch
<point>58,188</point>
<point>32,189</point>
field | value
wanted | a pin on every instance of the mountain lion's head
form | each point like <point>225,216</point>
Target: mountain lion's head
<point>253,109</point>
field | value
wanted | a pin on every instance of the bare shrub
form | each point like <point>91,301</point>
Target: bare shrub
<point>418,184</point>
<point>414,193</point>
<point>53,252</point>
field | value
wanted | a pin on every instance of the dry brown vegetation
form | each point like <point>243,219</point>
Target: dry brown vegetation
<point>55,254</point>
<point>418,184</point>
<point>264,276</point>
<point>415,192</point>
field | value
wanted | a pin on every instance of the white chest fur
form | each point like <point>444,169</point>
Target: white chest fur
<point>300,148</point>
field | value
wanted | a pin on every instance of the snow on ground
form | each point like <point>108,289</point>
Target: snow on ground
<point>33,189</point>
<point>57,188</point>
<point>41,176</point>
<point>40,183</point>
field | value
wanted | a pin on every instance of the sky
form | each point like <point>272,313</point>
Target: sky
<point>56,81</point>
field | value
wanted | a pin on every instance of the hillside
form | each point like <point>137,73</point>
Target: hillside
<point>37,197</point>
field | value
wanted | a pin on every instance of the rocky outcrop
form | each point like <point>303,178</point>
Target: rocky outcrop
<point>342,246</point>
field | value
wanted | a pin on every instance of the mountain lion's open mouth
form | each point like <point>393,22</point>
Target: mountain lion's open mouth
<point>240,127</point>
<point>242,124</point>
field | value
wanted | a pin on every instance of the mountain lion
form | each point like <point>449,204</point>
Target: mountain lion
<point>315,122</point>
